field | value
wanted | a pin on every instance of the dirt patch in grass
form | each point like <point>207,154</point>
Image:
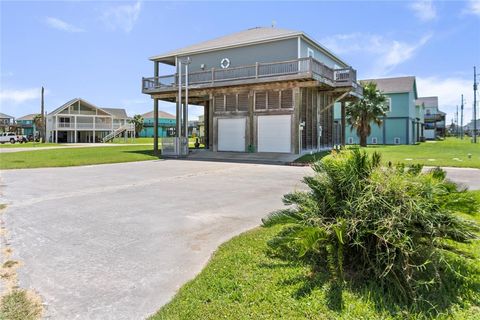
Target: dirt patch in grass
<point>20,305</point>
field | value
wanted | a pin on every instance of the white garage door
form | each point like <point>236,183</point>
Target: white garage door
<point>274,133</point>
<point>231,134</point>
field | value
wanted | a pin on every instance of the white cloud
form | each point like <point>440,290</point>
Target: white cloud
<point>473,7</point>
<point>19,96</point>
<point>449,92</point>
<point>62,25</point>
<point>123,16</point>
<point>424,9</point>
<point>385,53</point>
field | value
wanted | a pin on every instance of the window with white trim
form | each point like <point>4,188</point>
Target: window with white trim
<point>374,140</point>
<point>388,104</point>
<point>310,53</point>
<point>396,140</point>
<point>350,140</point>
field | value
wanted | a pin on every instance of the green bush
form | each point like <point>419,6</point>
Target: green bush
<point>391,225</point>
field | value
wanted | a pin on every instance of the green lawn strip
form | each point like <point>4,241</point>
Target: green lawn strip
<point>310,158</point>
<point>452,152</point>
<point>134,141</point>
<point>242,281</point>
<point>191,141</point>
<point>75,157</point>
<point>29,145</point>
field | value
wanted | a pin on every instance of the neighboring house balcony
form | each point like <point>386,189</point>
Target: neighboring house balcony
<point>298,69</point>
<point>434,117</point>
<point>91,126</point>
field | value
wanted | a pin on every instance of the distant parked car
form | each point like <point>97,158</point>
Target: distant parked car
<point>8,137</point>
<point>22,139</point>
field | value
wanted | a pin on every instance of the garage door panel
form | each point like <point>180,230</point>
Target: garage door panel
<point>274,133</point>
<point>231,134</point>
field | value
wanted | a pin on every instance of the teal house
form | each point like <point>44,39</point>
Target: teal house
<point>27,124</point>
<point>404,120</point>
<point>166,124</point>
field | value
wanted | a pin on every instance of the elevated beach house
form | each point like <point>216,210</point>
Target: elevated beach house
<point>404,119</point>
<point>262,89</point>
<point>434,118</point>
<point>165,126</point>
<point>79,121</point>
<point>6,121</point>
<point>27,125</point>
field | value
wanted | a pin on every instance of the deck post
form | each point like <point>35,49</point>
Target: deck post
<point>185,111</point>
<point>56,129</point>
<point>343,123</point>
<point>179,101</point>
<point>155,126</point>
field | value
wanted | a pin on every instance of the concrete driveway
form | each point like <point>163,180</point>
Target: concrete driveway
<point>116,241</point>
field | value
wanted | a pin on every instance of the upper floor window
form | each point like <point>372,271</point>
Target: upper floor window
<point>310,53</point>
<point>428,112</point>
<point>387,106</point>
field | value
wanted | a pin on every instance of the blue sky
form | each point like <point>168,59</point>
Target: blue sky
<point>99,50</point>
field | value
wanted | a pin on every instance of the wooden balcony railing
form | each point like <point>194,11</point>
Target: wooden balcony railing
<point>303,67</point>
<point>93,126</point>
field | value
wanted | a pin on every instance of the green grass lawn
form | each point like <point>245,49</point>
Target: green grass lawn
<point>75,156</point>
<point>449,153</point>
<point>134,141</point>
<point>29,145</point>
<point>191,141</point>
<point>242,281</point>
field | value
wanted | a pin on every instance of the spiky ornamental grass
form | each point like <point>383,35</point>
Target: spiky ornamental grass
<point>390,225</point>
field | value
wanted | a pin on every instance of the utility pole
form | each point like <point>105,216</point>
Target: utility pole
<point>461,119</point>
<point>456,123</point>
<point>475,84</point>
<point>42,112</point>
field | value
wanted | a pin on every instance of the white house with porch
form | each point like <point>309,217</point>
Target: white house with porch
<point>79,121</point>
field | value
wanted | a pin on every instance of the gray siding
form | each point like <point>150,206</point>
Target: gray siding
<point>319,55</point>
<point>267,52</point>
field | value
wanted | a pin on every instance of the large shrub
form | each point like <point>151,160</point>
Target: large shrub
<point>392,225</point>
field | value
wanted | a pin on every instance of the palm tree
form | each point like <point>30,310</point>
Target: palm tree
<point>38,122</point>
<point>370,109</point>
<point>138,122</point>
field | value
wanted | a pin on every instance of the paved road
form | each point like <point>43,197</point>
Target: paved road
<point>117,241</point>
<point>468,177</point>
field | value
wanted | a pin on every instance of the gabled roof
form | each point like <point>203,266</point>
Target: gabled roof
<point>248,36</point>
<point>5,116</point>
<point>242,38</point>
<point>427,101</point>
<point>27,117</point>
<point>69,103</point>
<point>115,112</point>
<point>395,85</point>
<point>161,115</point>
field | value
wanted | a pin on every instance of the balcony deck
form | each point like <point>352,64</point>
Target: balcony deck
<point>79,126</point>
<point>298,69</point>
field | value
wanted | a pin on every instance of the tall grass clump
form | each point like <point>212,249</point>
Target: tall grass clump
<point>394,226</point>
